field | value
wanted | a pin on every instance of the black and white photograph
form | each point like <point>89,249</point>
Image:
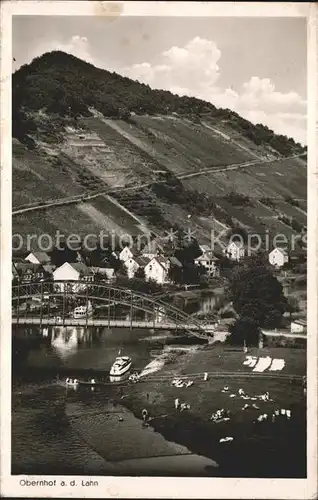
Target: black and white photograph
<point>158,247</point>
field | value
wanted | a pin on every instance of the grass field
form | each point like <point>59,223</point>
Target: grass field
<point>269,450</point>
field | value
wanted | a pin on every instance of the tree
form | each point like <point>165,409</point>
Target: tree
<point>191,274</point>
<point>257,294</point>
<point>63,254</point>
<point>244,330</point>
<point>175,274</point>
<point>187,251</point>
<point>100,257</point>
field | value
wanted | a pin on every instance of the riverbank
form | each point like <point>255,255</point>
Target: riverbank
<point>269,450</point>
<point>48,416</point>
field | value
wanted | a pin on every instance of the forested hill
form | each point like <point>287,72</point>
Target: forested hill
<point>59,83</point>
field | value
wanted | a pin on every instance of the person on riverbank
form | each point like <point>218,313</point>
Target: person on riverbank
<point>176,403</point>
<point>144,414</point>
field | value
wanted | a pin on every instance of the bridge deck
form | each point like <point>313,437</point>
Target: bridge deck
<point>118,323</point>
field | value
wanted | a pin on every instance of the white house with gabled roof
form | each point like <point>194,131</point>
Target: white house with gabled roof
<point>157,270</point>
<point>278,257</point>
<point>72,272</point>
<point>209,262</point>
<point>132,267</point>
<point>235,250</point>
<point>127,253</point>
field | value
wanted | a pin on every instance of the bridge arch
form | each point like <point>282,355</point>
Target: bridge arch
<point>108,294</point>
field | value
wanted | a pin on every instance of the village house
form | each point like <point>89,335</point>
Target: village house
<point>278,257</point>
<point>157,270</point>
<point>235,250</point>
<point>72,272</point>
<point>209,262</point>
<point>127,253</point>
<point>132,267</point>
<point>30,272</point>
<point>298,326</point>
<point>38,258</point>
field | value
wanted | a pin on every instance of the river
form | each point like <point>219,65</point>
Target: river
<point>62,431</point>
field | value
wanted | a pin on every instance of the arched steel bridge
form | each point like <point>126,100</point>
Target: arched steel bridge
<point>163,315</point>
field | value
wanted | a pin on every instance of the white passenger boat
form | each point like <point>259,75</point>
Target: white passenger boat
<point>83,311</point>
<point>121,365</point>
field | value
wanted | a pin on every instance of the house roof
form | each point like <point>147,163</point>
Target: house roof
<point>41,256</point>
<point>301,322</point>
<point>175,262</point>
<point>77,266</point>
<point>206,256</point>
<point>23,267</point>
<point>82,268</point>
<point>133,249</point>
<point>162,261</point>
<point>142,261</point>
<point>238,244</point>
<point>205,248</point>
<point>49,268</point>
<point>282,250</point>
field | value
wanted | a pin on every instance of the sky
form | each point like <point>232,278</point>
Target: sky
<point>254,66</point>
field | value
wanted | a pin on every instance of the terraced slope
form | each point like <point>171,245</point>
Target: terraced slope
<point>201,158</point>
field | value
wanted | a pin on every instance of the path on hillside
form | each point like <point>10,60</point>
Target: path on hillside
<point>87,197</point>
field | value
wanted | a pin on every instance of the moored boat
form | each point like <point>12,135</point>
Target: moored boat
<point>121,365</point>
<point>83,311</point>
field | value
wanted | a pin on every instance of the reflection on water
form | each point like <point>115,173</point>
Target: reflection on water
<point>64,341</point>
<point>84,349</point>
<point>207,304</point>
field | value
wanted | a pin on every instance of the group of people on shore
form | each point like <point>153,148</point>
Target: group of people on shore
<point>71,381</point>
